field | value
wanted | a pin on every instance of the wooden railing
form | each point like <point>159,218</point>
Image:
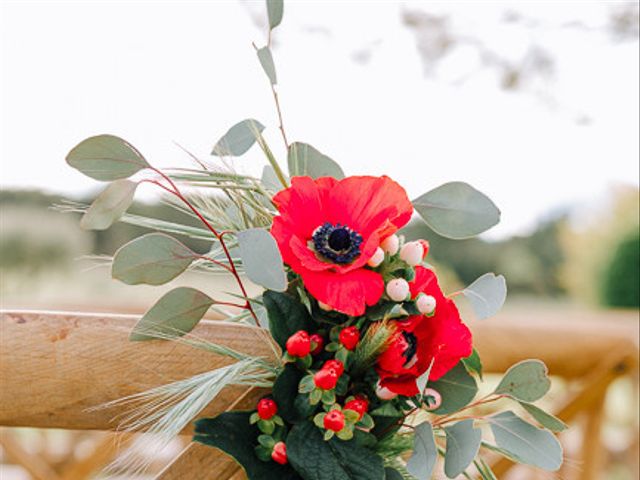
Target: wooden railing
<point>56,366</point>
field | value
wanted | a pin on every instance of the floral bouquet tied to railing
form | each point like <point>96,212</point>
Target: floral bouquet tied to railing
<point>374,374</point>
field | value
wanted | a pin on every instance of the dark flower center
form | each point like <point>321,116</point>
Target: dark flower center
<point>412,345</point>
<point>337,243</point>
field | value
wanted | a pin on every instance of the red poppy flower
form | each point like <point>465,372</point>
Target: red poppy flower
<point>442,338</point>
<point>328,229</point>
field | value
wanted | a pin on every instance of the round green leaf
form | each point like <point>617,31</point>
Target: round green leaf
<point>266,60</point>
<point>457,389</point>
<point>261,259</point>
<point>457,210</point>
<point>106,157</point>
<point>543,418</point>
<point>109,206</point>
<point>275,10</point>
<point>175,314</point>
<point>303,159</point>
<point>425,453</point>
<point>463,443</point>
<point>317,459</point>
<point>238,139</point>
<point>487,295</point>
<point>153,259</point>
<point>526,443</point>
<point>526,381</point>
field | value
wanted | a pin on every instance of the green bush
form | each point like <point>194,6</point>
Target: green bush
<point>621,279</point>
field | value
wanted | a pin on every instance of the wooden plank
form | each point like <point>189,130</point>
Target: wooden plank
<point>55,366</point>
<point>571,347</point>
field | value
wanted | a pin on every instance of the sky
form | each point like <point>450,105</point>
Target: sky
<point>352,83</point>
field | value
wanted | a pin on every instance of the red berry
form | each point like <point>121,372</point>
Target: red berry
<point>349,337</point>
<point>425,246</point>
<point>319,343</point>
<point>359,405</point>
<point>299,344</point>
<point>334,420</point>
<point>279,453</point>
<point>336,365</point>
<point>267,408</point>
<point>326,378</point>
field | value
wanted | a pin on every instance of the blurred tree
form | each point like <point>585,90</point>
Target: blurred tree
<point>620,285</point>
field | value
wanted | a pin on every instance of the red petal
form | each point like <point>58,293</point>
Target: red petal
<point>345,292</point>
<point>404,385</point>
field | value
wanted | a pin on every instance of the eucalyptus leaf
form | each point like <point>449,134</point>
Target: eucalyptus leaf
<point>457,210</point>
<point>457,389</point>
<point>526,381</point>
<point>270,180</point>
<point>303,160</point>
<point>487,295</point>
<point>109,206</point>
<point>152,259</point>
<point>526,443</point>
<point>423,379</point>
<point>425,453</point>
<point>275,10</point>
<point>238,139</point>
<point>543,418</point>
<point>463,443</point>
<point>106,157</point>
<point>266,60</point>
<point>317,459</point>
<point>175,314</point>
<point>261,259</point>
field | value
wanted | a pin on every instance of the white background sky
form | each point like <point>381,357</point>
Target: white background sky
<point>156,72</point>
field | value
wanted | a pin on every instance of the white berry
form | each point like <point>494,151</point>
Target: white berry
<point>398,289</point>
<point>391,244</point>
<point>434,399</point>
<point>377,258</point>
<point>412,253</point>
<point>426,304</point>
<point>384,393</point>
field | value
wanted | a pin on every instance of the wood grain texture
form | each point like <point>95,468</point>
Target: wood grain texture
<point>56,366</point>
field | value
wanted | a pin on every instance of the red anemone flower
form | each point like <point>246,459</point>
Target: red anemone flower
<point>328,229</point>
<point>442,338</point>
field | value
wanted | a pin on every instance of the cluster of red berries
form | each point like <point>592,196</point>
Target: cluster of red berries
<point>327,377</point>
<point>301,344</point>
<point>267,410</point>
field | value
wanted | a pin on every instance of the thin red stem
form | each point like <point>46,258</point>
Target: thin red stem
<point>232,268</point>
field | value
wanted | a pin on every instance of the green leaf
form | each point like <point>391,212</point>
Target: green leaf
<point>286,316</point>
<point>336,459</point>
<point>457,389</point>
<point>266,60</point>
<point>109,206</point>
<point>463,443</point>
<point>487,295</point>
<point>303,160</point>
<point>457,210</point>
<point>285,392</point>
<point>175,314</point>
<point>232,433</point>
<point>425,452</point>
<point>526,443</point>
<point>270,180</point>
<point>153,259</point>
<point>275,9</point>
<point>526,381</point>
<point>473,364</point>
<point>106,157</point>
<point>543,418</point>
<point>392,474</point>
<point>238,139</point>
<point>261,259</point>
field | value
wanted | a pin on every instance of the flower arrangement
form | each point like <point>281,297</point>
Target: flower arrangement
<point>374,374</point>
